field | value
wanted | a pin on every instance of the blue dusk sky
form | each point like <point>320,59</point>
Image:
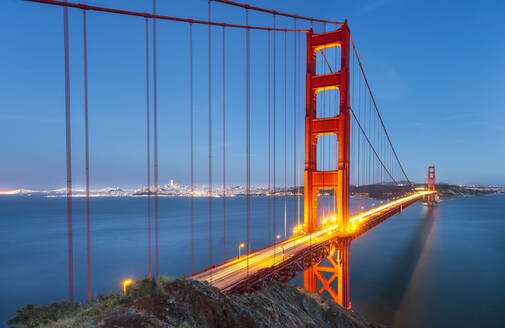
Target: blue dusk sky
<point>437,70</point>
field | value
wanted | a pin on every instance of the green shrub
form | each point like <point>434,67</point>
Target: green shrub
<point>33,315</point>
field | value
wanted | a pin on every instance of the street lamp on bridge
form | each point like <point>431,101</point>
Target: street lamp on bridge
<point>240,247</point>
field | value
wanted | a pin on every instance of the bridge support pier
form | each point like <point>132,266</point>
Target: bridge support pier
<point>338,180</point>
<point>339,268</point>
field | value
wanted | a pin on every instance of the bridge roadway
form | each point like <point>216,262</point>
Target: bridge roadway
<point>228,275</point>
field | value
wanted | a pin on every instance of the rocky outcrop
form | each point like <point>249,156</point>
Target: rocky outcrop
<point>190,303</point>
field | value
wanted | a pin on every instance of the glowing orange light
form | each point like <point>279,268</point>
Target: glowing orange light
<point>239,247</point>
<point>125,284</point>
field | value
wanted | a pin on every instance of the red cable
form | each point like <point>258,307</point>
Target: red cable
<point>274,150</point>
<point>248,139</point>
<point>148,153</point>
<point>285,135</point>
<point>192,148</point>
<point>86,149</point>
<point>155,117</point>
<point>276,12</point>
<point>269,141</point>
<point>68,159</point>
<point>224,147</point>
<point>147,15</point>
<point>294,120</point>
<point>299,132</point>
<point>210,143</point>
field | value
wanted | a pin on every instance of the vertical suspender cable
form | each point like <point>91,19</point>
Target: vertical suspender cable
<point>299,130</point>
<point>192,147</point>
<point>86,150</point>
<point>248,136</point>
<point>275,142</point>
<point>269,140</point>
<point>224,145</point>
<point>285,136</point>
<point>68,159</point>
<point>148,145</point>
<point>294,120</point>
<point>335,150</point>
<point>210,140</point>
<point>359,144</point>
<point>321,141</point>
<point>155,117</point>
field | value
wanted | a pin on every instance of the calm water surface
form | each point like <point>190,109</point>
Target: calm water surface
<point>423,268</point>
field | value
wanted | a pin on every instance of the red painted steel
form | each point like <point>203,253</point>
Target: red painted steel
<point>209,43</point>
<point>191,123</point>
<point>68,159</point>
<point>155,128</point>
<point>377,110</point>
<point>337,180</point>
<point>248,138</point>
<point>148,154</point>
<point>431,184</point>
<point>309,260</point>
<point>224,144</point>
<point>243,5</point>
<point>312,256</point>
<point>86,151</point>
<point>147,15</point>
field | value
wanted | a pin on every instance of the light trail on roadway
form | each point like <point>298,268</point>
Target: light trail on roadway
<point>237,269</point>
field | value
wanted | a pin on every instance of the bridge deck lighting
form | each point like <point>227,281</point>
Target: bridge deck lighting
<point>278,236</point>
<point>126,283</point>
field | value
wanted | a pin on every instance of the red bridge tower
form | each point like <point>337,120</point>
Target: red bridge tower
<point>431,184</point>
<point>338,180</point>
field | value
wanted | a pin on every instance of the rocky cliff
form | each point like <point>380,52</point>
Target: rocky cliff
<point>189,303</point>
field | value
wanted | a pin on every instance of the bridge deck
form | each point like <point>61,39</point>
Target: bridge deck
<point>286,259</point>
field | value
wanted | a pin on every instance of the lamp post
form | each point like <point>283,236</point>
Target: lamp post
<point>125,284</point>
<point>240,247</point>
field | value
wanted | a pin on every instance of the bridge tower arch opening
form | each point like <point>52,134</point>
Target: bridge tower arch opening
<point>317,180</point>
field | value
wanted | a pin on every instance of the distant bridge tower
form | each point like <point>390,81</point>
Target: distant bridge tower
<point>338,180</point>
<point>431,184</point>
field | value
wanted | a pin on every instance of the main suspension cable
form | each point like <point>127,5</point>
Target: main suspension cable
<point>237,4</point>
<point>378,113</point>
<point>162,17</point>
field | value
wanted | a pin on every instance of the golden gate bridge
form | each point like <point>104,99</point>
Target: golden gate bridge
<point>353,179</point>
